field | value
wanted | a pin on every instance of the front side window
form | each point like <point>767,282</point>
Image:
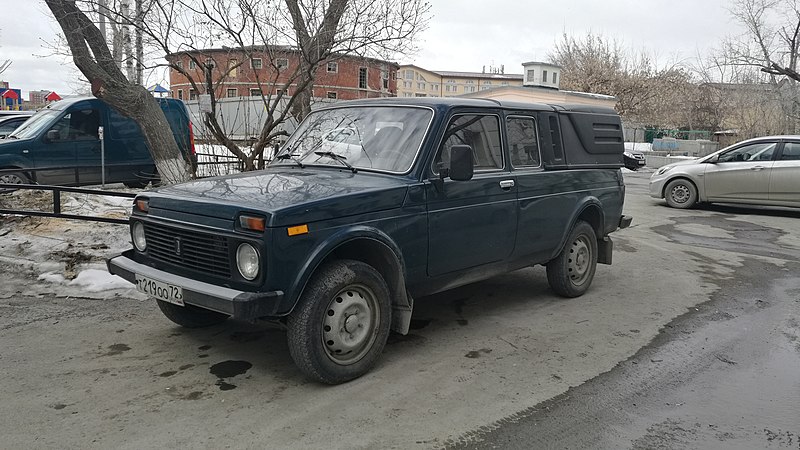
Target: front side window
<point>380,137</point>
<point>78,125</point>
<point>753,152</point>
<point>481,133</point>
<point>523,146</point>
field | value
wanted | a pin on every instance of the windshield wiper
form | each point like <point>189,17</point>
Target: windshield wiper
<point>339,158</point>
<point>288,155</point>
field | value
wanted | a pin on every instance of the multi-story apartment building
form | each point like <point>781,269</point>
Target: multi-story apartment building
<point>268,69</point>
<point>414,81</point>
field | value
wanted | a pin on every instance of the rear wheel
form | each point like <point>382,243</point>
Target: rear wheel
<point>680,193</point>
<point>341,324</point>
<point>190,316</point>
<point>571,272</point>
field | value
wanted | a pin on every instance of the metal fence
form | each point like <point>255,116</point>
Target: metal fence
<point>57,190</point>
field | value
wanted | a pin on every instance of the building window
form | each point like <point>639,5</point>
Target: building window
<point>232,92</point>
<point>256,64</point>
<point>555,77</point>
<point>447,88</point>
<point>192,94</point>
<point>333,67</point>
<point>192,64</point>
<point>408,74</point>
<point>281,63</point>
<point>469,82</point>
<point>179,64</point>
<point>504,83</point>
<point>362,78</point>
<point>255,92</point>
<point>333,95</point>
<point>421,86</point>
<point>280,92</point>
<point>487,82</point>
<point>407,84</point>
<point>233,67</point>
<point>385,78</point>
<point>434,87</point>
<point>531,75</point>
<point>180,94</point>
<point>544,76</point>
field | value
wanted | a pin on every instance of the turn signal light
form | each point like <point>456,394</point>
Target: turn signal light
<point>253,223</point>
<point>300,229</point>
<point>142,205</point>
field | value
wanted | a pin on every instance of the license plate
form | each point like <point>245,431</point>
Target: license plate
<point>641,162</point>
<point>160,290</point>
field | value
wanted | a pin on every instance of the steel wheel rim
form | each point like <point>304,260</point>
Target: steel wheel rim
<point>350,324</point>
<point>579,261</point>
<point>10,179</point>
<point>680,193</point>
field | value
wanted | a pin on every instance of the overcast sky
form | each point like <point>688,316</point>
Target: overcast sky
<point>464,35</point>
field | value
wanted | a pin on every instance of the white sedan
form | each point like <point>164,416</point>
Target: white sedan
<point>764,171</point>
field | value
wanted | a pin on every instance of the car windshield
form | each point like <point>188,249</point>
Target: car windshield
<point>383,138</point>
<point>35,124</point>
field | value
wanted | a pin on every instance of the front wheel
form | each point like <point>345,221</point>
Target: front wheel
<point>12,178</point>
<point>571,272</point>
<point>680,193</point>
<point>341,323</point>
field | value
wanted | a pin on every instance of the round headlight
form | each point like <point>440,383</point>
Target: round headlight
<point>247,261</point>
<point>138,236</point>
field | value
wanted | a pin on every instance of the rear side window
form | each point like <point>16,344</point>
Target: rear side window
<point>523,145</point>
<point>482,133</point>
<point>791,151</point>
<point>123,127</point>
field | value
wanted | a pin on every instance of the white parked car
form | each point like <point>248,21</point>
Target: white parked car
<point>764,171</point>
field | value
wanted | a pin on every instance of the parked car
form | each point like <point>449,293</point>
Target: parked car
<point>11,123</point>
<point>434,194</point>
<point>764,171</point>
<point>63,143</point>
<point>633,159</point>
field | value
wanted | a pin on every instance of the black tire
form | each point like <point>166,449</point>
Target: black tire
<point>190,316</point>
<point>571,272</point>
<point>340,326</point>
<point>13,178</point>
<point>680,193</point>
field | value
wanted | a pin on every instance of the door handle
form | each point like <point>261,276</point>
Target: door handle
<point>507,184</point>
<point>757,168</point>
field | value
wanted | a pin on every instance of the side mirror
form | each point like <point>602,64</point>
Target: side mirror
<point>53,135</point>
<point>713,160</point>
<point>462,162</point>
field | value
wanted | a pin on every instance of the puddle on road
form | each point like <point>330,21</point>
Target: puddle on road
<point>229,369</point>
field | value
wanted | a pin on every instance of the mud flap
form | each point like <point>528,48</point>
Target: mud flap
<point>605,247</point>
<point>401,316</point>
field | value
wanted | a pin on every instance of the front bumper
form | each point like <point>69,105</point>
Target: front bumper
<point>657,187</point>
<point>238,304</point>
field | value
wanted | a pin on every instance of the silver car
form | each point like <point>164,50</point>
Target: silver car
<point>763,171</point>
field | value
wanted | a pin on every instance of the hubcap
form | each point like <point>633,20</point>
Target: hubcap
<point>680,194</point>
<point>10,179</point>
<point>580,260</point>
<point>350,325</point>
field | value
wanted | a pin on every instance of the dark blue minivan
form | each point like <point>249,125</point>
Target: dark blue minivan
<point>60,145</point>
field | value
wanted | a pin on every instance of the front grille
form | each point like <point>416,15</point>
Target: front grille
<point>194,250</point>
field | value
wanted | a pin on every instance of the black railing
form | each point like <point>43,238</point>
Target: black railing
<point>57,190</point>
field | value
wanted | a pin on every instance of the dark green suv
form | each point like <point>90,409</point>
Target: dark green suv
<point>371,204</point>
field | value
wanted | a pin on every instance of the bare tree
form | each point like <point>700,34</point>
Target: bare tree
<point>93,58</point>
<point>239,30</point>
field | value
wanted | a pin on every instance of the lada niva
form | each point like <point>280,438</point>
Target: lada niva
<point>374,203</point>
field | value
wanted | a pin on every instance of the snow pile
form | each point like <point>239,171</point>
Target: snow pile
<point>43,253</point>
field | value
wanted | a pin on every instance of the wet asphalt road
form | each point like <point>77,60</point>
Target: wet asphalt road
<point>691,339</point>
<point>726,374</point>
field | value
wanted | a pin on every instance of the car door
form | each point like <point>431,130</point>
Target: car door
<point>85,124</point>
<point>741,174</point>
<point>784,183</point>
<point>54,154</point>
<point>471,223</point>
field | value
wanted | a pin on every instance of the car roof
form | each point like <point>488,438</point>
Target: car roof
<point>451,102</point>
<point>4,119</point>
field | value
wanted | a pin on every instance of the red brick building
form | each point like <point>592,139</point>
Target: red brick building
<point>343,78</point>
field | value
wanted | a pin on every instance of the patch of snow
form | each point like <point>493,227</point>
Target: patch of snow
<point>94,280</point>
<point>52,277</point>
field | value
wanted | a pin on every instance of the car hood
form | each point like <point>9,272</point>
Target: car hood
<point>285,196</point>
